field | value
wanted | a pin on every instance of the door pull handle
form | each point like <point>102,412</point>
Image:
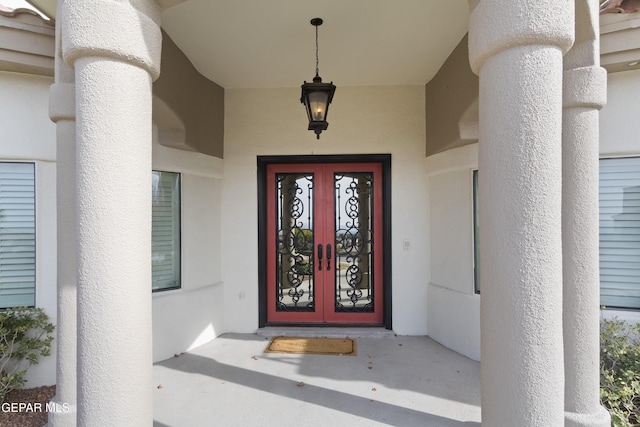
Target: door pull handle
<point>328,257</point>
<point>319,257</point>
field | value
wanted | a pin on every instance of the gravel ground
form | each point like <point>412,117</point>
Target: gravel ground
<point>33,415</point>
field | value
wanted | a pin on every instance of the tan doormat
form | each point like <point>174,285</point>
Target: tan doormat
<point>298,345</point>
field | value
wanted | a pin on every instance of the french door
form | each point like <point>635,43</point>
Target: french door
<point>324,243</point>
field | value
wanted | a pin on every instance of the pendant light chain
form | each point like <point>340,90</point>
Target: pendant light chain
<point>317,61</point>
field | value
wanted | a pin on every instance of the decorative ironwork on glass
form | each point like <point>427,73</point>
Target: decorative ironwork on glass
<point>294,242</point>
<point>354,242</point>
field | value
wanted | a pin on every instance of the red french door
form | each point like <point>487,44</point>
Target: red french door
<point>324,243</point>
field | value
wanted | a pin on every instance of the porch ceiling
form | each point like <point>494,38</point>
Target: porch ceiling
<point>264,44</point>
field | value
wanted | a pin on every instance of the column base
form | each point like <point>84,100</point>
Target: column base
<point>61,414</point>
<point>600,418</point>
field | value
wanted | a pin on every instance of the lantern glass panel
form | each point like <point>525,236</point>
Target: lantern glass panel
<point>318,105</point>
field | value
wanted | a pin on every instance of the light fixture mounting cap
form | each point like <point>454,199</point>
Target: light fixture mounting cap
<point>316,21</point>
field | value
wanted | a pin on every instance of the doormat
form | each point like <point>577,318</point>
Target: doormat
<point>298,345</point>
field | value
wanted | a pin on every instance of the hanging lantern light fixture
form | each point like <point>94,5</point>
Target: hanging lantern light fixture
<point>317,96</point>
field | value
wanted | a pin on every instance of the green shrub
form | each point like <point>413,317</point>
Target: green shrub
<point>25,335</point>
<point>620,371</point>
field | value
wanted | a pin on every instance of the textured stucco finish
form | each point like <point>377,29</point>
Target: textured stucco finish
<point>521,262</point>
<point>584,95</point>
<point>114,235</point>
<point>182,319</point>
<point>493,27</point>
<point>67,269</point>
<point>114,49</point>
<point>460,331</point>
<point>581,269</point>
<point>62,112</point>
<point>517,49</point>
<point>113,29</point>
<point>452,310</point>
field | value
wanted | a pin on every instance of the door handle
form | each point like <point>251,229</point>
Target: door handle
<point>328,257</point>
<point>319,257</point>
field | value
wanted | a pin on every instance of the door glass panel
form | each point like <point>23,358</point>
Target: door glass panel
<point>294,280</point>
<point>354,242</point>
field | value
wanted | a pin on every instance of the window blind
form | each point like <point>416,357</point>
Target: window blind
<point>165,242</point>
<point>620,232</point>
<point>17,235</point>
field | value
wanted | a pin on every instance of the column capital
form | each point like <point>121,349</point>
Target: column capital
<point>62,102</point>
<point>112,29</point>
<point>585,87</point>
<point>495,26</point>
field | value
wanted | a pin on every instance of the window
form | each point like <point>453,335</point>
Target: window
<point>17,235</point>
<point>476,246</point>
<point>620,232</point>
<point>165,241</point>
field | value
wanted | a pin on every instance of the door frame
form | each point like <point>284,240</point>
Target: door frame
<point>385,161</point>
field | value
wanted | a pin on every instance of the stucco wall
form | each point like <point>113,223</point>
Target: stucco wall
<point>27,134</point>
<point>450,94</point>
<point>198,103</point>
<point>619,118</point>
<point>431,198</point>
<point>182,318</point>
<point>191,316</point>
<point>361,120</point>
<point>454,308</point>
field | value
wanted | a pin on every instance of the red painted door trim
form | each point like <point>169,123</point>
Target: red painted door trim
<point>324,233</point>
<point>272,314</point>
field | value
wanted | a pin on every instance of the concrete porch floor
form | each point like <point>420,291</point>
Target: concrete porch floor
<point>393,380</point>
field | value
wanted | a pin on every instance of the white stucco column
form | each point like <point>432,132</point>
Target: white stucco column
<point>62,112</point>
<point>584,95</point>
<point>114,48</point>
<point>517,49</point>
